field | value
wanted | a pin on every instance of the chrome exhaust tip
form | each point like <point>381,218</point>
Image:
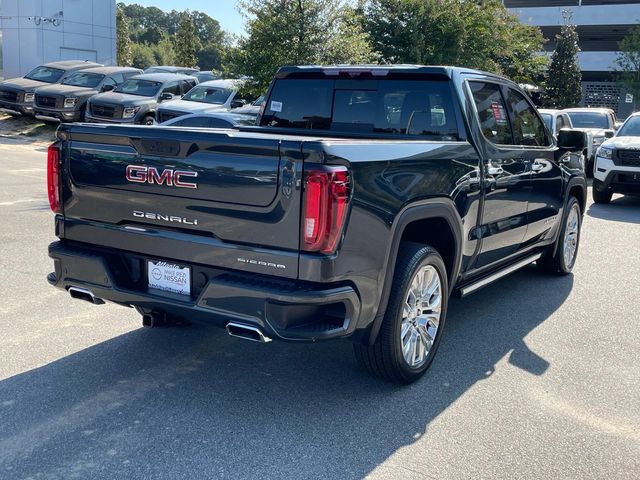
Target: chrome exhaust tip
<point>85,294</point>
<point>247,332</point>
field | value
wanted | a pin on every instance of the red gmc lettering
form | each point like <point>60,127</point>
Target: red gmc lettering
<point>151,175</point>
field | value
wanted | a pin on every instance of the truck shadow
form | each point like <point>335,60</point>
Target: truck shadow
<point>166,402</point>
<point>621,209</point>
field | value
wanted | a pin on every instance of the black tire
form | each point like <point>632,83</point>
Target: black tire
<point>385,358</point>
<point>149,120</point>
<point>556,263</point>
<point>598,195</point>
<point>588,168</point>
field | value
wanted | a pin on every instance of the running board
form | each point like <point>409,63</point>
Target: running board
<point>483,282</point>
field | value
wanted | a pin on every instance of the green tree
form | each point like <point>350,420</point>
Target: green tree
<point>479,34</point>
<point>123,41</point>
<point>563,88</point>
<point>628,63</point>
<point>295,32</point>
<point>142,56</point>
<point>186,43</point>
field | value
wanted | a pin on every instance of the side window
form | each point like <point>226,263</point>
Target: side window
<point>492,112</point>
<point>109,81</point>
<point>202,122</point>
<point>187,85</point>
<point>528,129</point>
<point>128,75</point>
<point>173,88</point>
<point>219,123</point>
<point>117,77</point>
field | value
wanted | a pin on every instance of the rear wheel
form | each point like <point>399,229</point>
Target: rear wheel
<point>599,196</point>
<point>562,262</point>
<point>149,120</point>
<point>413,322</point>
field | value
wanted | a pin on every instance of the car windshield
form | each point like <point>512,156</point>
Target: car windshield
<point>589,119</point>
<point>81,79</point>
<point>45,74</point>
<point>143,88</point>
<point>548,118</point>
<point>214,95</point>
<point>631,128</point>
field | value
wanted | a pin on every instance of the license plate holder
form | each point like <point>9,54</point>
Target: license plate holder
<point>169,277</point>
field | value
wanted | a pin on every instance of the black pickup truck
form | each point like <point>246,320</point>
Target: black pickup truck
<point>363,200</point>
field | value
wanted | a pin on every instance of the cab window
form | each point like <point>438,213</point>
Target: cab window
<point>528,129</point>
<point>173,88</point>
<point>492,112</point>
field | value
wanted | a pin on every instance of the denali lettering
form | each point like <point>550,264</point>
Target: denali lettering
<point>165,218</point>
<point>168,176</point>
<point>261,263</point>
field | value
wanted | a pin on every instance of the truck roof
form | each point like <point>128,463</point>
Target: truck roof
<point>66,64</point>
<point>161,77</point>
<point>109,70</point>
<point>382,70</point>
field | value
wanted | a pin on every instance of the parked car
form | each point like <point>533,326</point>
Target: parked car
<point>17,94</point>
<point>207,96</point>
<point>252,109</point>
<point>211,120</point>
<point>556,120</point>
<point>599,123</point>
<point>205,76</point>
<point>136,99</point>
<point>172,69</point>
<point>617,167</point>
<point>353,211</point>
<point>67,101</point>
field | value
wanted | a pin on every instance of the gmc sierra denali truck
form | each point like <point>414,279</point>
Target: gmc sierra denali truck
<point>363,199</point>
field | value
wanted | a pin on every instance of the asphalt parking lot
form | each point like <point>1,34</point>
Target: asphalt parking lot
<point>537,377</point>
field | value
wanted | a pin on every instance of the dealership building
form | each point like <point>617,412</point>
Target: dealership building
<point>601,24</point>
<point>33,32</point>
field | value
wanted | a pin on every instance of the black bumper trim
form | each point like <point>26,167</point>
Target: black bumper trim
<point>614,182</point>
<point>284,309</point>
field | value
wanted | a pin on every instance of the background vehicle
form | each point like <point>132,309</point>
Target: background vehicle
<point>67,100</point>
<point>556,120</point>
<point>599,123</point>
<point>205,76</point>
<point>136,100</point>
<point>366,197</point>
<point>17,94</point>
<point>211,120</point>
<point>617,167</point>
<point>207,96</point>
<point>172,69</point>
<point>252,109</point>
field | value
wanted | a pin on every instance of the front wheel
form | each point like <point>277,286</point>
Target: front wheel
<point>149,120</point>
<point>599,196</point>
<point>562,262</point>
<point>413,322</point>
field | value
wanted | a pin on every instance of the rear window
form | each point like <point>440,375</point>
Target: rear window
<point>397,107</point>
<point>589,120</point>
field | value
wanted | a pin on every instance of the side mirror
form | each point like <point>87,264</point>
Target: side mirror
<point>166,96</point>
<point>609,134</point>
<point>108,88</point>
<point>237,103</point>
<point>572,140</point>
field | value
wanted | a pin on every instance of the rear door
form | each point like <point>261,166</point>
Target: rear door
<point>506,183</point>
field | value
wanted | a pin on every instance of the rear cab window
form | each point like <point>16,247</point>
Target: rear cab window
<point>410,108</point>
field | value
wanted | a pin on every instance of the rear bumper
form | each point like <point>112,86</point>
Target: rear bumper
<point>283,309</point>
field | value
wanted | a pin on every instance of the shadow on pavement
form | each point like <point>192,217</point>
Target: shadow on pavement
<point>194,403</point>
<point>621,209</point>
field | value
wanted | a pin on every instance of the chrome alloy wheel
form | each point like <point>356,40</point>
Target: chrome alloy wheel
<point>571,236</point>
<point>421,316</point>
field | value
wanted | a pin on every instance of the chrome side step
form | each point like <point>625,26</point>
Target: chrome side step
<point>483,282</point>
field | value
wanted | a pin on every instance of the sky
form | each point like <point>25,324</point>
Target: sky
<point>222,10</point>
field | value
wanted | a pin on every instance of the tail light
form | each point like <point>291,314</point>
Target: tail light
<point>326,198</point>
<point>53,177</point>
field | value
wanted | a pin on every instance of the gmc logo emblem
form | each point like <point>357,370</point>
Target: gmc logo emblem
<point>169,177</point>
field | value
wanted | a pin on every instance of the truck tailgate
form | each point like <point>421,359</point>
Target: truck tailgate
<point>235,194</point>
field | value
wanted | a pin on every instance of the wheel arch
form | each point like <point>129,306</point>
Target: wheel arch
<point>444,232</point>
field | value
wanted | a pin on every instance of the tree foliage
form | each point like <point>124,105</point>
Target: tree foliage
<point>628,63</point>
<point>295,32</point>
<point>123,42</point>
<point>563,88</point>
<point>186,42</point>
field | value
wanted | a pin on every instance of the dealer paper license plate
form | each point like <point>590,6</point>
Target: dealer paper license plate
<point>169,277</point>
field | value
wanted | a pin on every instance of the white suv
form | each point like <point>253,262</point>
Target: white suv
<point>617,163</point>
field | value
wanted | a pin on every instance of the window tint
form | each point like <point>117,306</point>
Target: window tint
<point>117,77</point>
<point>193,122</point>
<point>589,120</point>
<point>492,112</point>
<point>83,79</point>
<point>173,88</point>
<point>404,107</point>
<point>527,127</point>
<point>631,127</point>
<point>219,123</point>
<point>143,88</point>
<point>109,81</point>
<point>560,123</point>
<point>187,85</point>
